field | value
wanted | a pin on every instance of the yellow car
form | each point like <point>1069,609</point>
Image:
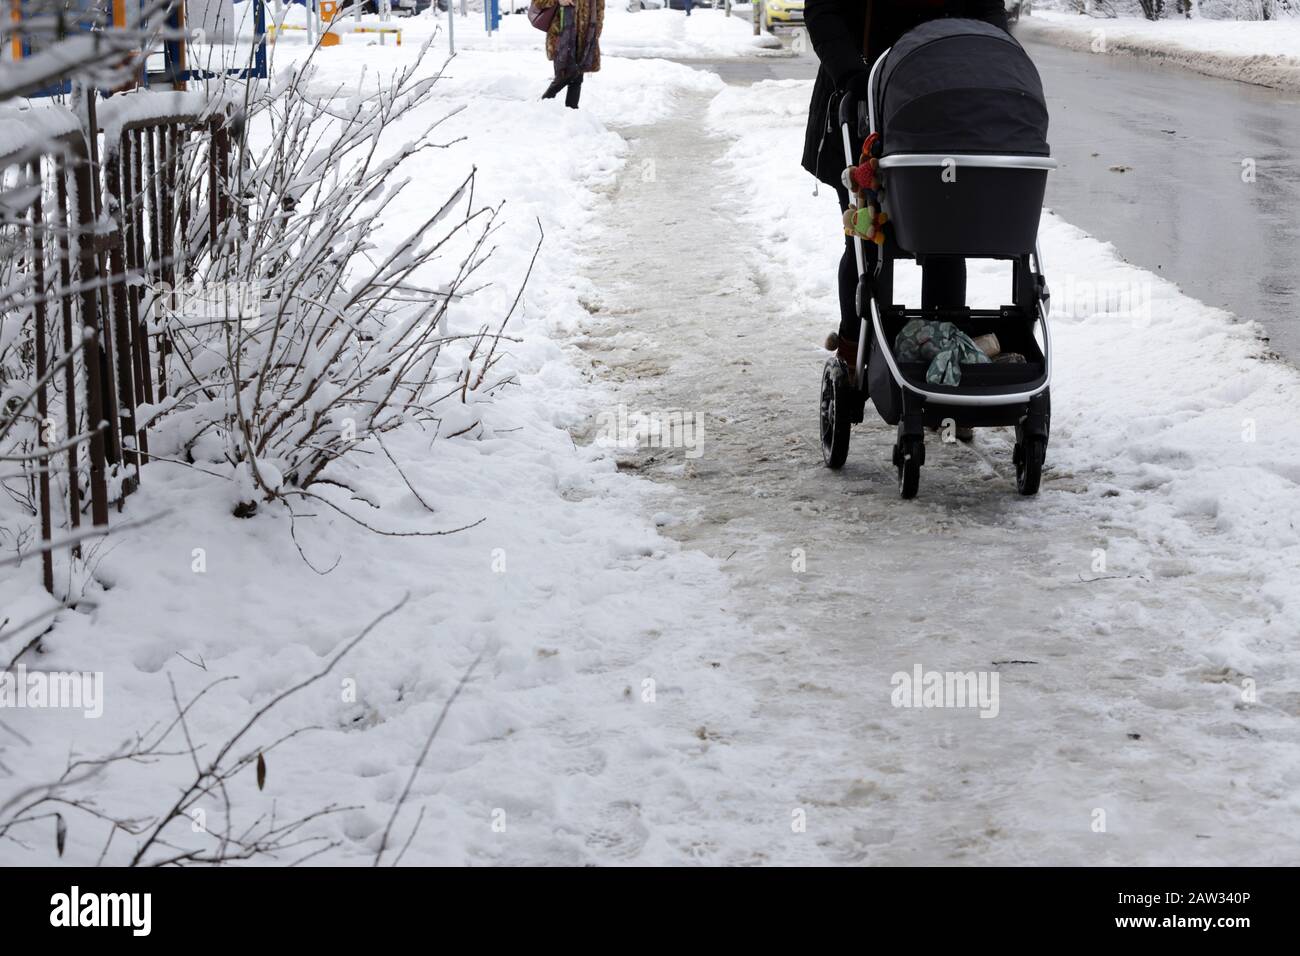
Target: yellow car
<point>783,13</point>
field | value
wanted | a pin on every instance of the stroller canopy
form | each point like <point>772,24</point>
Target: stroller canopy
<point>960,86</point>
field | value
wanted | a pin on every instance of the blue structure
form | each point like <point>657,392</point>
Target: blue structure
<point>173,54</point>
<point>492,15</point>
<point>88,15</point>
<point>82,15</point>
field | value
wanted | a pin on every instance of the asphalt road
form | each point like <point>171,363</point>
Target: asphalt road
<point>1180,208</point>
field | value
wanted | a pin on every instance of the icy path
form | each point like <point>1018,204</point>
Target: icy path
<point>1105,702</point>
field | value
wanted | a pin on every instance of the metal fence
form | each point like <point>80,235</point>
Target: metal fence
<point>104,228</point>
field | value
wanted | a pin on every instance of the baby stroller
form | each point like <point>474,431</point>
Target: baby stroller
<point>961,162</point>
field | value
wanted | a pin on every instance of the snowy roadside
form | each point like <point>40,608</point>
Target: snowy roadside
<point>1175,408</point>
<point>583,615</point>
<point>1266,53</point>
<point>1148,590</point>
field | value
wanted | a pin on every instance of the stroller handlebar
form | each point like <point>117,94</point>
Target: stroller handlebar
<point>856,113</point>
<point>849,107</point>
<point>852,108</point>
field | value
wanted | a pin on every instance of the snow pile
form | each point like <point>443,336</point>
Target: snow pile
<point>1266,53</point>
<point>594,633</point>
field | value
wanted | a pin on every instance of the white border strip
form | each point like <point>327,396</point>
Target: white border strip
<point>871,91</point>
<point>968,161</point>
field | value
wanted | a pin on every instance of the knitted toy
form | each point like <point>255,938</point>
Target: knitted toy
<point>865,223</point>
<point>862,177</point>
<point>864,216</point>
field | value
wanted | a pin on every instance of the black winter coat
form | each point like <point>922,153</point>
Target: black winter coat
<point>836,29</point>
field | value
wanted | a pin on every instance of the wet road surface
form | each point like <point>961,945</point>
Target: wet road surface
<point>1182,207</point>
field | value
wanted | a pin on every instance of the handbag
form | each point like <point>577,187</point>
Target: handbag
<point>541,17</point>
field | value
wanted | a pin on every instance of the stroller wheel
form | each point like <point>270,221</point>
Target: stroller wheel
<point>836,413</point>
<point>1029,455</point>
<point>909,456</point>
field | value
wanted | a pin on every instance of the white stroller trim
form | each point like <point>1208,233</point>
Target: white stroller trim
<point>997,161</point>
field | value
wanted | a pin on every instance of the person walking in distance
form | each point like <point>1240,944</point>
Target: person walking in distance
<point>573,45</point>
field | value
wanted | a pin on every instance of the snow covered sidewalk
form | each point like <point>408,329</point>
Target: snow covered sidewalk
<point>1262,52</point>
<point>1139,614</point>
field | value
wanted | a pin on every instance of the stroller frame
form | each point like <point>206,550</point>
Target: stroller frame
<point>914,404</point>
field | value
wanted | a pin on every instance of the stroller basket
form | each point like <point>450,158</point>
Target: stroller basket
<point>963,126</point>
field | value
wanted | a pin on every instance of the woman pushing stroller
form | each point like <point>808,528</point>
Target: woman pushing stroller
<point>848,36</point>
<point>889,130</point>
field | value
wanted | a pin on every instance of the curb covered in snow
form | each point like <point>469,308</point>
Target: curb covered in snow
<point>1261,69</point>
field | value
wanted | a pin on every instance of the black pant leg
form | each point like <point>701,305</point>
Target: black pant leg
<point>575,91</point>
<point>557,84</point>
<point>943,283</point>
<point>850,323</point>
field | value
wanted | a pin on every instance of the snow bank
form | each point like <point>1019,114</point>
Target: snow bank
<point>1266,53</point>
<point>595,633</point>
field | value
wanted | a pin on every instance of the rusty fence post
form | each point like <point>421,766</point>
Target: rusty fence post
<point>37,249</point>
<point>91,236</point>
<point>153,261</point>
<point>187,186</point>
<point>118,280</point>
<point>66,297</point>
<point>92,351</point>
<point>213,189</point>
<point>133,219</point>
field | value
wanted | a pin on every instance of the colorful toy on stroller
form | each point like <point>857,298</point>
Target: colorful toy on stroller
<point>953,162</point>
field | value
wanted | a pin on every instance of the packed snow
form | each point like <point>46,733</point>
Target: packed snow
<point>1266,52</point>
<point>655,683</point>
<point>1137,612</point>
